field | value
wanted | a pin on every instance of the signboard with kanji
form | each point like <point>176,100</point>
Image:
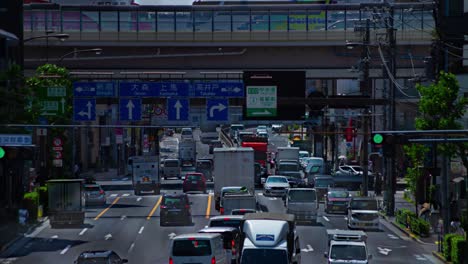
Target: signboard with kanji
<point>53,100</point>
<point>261,101</point>
<point>15,140</point>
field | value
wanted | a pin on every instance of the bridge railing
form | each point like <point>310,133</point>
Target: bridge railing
<point>238,23</point>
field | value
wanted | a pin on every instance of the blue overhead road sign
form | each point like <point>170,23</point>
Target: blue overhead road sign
<point>215,88</point>
<point>94,89</point>
<point>130,109</point>
<point>177,109</point>
<point>84,109</point>
<point>154,89</point>
<point>217,109</point>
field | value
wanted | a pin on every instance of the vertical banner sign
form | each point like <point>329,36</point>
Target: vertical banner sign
<point>261,101</point>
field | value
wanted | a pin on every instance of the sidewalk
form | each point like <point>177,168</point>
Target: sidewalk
<point>12,231</point>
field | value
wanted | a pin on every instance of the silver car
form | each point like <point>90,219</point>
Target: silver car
<point>276,186</point>
<point>94,194</point>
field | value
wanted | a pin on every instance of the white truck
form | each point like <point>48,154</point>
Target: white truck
<point>270,238</point>
<point>145,174</point>
<point>233,167</point>
<point>237,200</point>
<point>347,246</point>
<point>187,153</point>
<point>287,153</point>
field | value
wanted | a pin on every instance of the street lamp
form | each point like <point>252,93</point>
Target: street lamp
<point>98,51</point>
<point>61,36</point>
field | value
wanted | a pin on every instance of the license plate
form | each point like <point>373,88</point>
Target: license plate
<point>336,208</point>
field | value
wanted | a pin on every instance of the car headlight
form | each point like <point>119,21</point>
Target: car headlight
<point>267,187</point>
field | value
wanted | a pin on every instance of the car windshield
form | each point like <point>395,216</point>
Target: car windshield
<point>226,222</point>
<point>92,188</point>
<point>191,247</point>
<point>357,168</point>
<point>204,165</point>
<point>338,194</point>
<point>303,154</point>
<point>288,167</point>
<point>301,195</point>
<point>364,205</point>
<point>171,163</point>
<point>264,256</point>
<point>176,202</point>
<point>277,179</point>
<point>193,177</point>
<point>321,183</point>
<point>348,252</point>
<point>186,132</point>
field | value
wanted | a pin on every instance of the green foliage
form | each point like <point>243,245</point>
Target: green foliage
<point>403,216</point>
<point>12,98</point>
<point>32,197</point>
<point>409,219</point>
<point>447,245</point>
<point>415,154</point>
<point>458,250</point>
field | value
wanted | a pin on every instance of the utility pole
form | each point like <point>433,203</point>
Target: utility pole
<point>390,161</point>
<point>365,89</point>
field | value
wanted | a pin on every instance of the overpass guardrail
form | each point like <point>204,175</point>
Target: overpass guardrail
<point>285,22</point>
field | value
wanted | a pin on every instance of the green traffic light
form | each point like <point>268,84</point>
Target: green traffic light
<point>2,153</point>
<point>377,139</point>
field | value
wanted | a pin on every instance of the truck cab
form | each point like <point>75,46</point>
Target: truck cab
<point>347,246</point>
<point>270,238</point>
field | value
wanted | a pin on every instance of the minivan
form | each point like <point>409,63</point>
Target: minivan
<point>171,168</point>
<point>186,134</point>
<point>205,248</point>
<point>303,204</point>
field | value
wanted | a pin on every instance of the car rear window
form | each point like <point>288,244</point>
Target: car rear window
<point>195,247</point>
<point>226,222</point>
<point>174,202</point>
<point>302,195</point>
<point>186,132</point>
<point>204,165</point>
<point>192,177</point>
<point>171,163</point>
<point>92,188</point>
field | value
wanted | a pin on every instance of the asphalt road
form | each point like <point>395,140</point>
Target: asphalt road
<point>129,225</point>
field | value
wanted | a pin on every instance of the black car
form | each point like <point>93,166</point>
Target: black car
<point>100,257</point>
<point>175,209</point>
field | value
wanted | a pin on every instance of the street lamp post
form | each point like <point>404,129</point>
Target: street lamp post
<point>98,51</point>
<point>60,36</point>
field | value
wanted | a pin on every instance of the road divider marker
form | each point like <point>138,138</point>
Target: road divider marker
<point>108,236</point>
<point>141,230</point>
<point>107,209</point>
<point>83,231</point>
<point>154,208</point>
<point>208,207</point>
<point>123,217</point>
<point>65,250</point>
<point>326,218</point>
<point>125,194</point>
<point>131,247</point>
<point>139,199</point>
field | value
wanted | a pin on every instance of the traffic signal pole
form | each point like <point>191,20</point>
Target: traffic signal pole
<point>365,88</point>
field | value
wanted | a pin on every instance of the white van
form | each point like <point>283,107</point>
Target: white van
<point>186,134</point>
<point>171,168</point>
<point>203,248</point>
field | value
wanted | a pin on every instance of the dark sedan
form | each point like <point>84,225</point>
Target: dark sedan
<point>175,209</point>
<point>336,200</point>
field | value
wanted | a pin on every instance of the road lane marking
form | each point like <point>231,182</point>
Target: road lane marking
<point>108,236</point>
<point>208,207</point>
<point>139,199</point>
<point>172,235</point>
<point>113,195</point>
<point>107,209</point>
<point>123,217</point>
<point>392,236</point>
<point>65,250</point>
<point>384,251</point>
<point>141,230</point>
<point>419,257</point>
<point>83,231</point>
<point>154,208</point>
<point>125,194</point>
<point>131,247</point>
<point>308,249</point>
<point>326,218</point>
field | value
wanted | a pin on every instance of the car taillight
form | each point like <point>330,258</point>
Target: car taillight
<point>171,261</point>
<point>233,246</point>
<point>101,192</point>
<point>221,210</point>
<point>213,260</point>
<point>163,207</point>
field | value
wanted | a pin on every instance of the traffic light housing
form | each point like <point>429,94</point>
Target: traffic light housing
<point>388,142</point>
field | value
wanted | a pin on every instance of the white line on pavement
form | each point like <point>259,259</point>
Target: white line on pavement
<point>108,236</point>
<point>65,250</point>
<point>419,257</point>
<point>39,229</point>
<point>326,218</point>
<point>141,230</point>
<point>131,247</point>
<point>139,199</point>
<point>113,195</point>
<point>125,194</point>
<point>123,217</point>
<point>7,260</point>
<point>83,231</point>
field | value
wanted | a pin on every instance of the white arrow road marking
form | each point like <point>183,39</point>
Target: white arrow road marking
<point>130,107</point>
<point>172,235</point>
<point>326,218</point>
<point>125,194</point>
<point>113,195</point>
<point>384,251</point>
<point>392,236</point>
<point>83,231</point>
<point>178,106</point>
<point>220,107</point>
<point>308,249</point>
<point>131,247</point>
<point>139,199</point>
<point>108,236</point>
<point>65,250</point>
<point>419,257</point>
<point>123,217</point>
<point>141,230</point>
